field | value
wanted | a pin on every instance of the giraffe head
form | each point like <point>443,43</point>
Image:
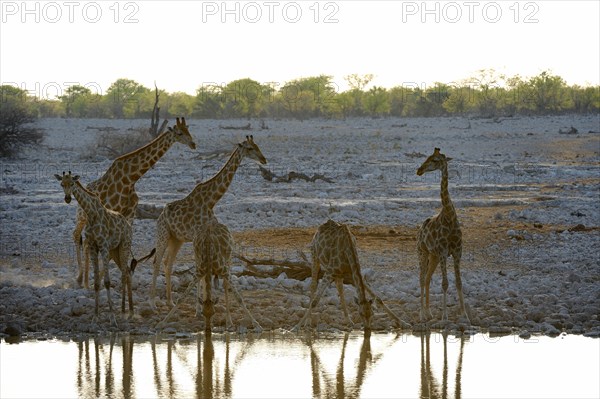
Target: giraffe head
<point>67,182</point>
<point>436,161</point>
<point>250,149</point>
<point>365,310</point>
<point>182,134</point>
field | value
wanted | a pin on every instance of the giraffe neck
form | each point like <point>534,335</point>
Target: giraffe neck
<point>359,284</point>
<point>138,162</point>
<point>89,202</point>
<point>211,191</point>
<point>355,269</point>
<point>447,205</point>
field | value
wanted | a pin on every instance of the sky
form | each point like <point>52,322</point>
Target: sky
<point>47,46</point>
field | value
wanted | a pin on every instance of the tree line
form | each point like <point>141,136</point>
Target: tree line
<point>486,95</point>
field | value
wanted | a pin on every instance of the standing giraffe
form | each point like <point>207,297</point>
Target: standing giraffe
<point>213,245</point>
<point>108,234</point>
<point>439,237</point>
<point>333,248</point>
<point>116,188</point>
<point>180,219</point>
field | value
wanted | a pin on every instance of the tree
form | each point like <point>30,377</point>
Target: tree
<point>208,102</point>
<point>45,108</point>
<point>123,98</point>
<point>585,99</point>
<point>376,101</point>
<point>344,104</point>
<point>299,104</point>
<point>549,93</point>
<point>14,116</point>
<point>141,105</point>
<point>358,82</point>
<point>424,103</point>
<point>519,98</point>
<point>459,100</point>
<point>179,103</point>
<point>244,98</point>
<point>75,101</point>
<point>398,100</point>
<point>486,92</point>
<point>309,97</point>
<point>436,96</point>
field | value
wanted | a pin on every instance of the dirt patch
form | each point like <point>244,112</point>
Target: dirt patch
<point>481,227</point>
<point>584,147</point>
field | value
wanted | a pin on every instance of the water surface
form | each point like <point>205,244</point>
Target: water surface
<point>303,366</point>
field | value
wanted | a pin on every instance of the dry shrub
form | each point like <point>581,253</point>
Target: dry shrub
<point>14,132</point>
<point>113,143</point>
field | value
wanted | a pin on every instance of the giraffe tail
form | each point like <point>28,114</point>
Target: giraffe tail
<point>134,261</point>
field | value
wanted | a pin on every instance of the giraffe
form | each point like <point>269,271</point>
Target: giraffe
<point>179,219</point>
<point>439,237</point>
<point>333,248</point>
<point>116,188</point>
<point>108,234</point>
<point>213,245</point>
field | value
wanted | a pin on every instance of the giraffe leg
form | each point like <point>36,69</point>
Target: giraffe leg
<point>314,275</point>
<point>77,239</point>
<point>399,322</point>
<point>444,288</point>
<point>456,259</point>
<point>160,251</point>
<point>105,272</point>
<point>199,289</point>
<point>78,248</point>
<point>228,320</point>
<point>208,310</point>
<point>105,261</point>
<point>339,283</point>
<point>94,258</point>
<point>228,285</point>
<point>173,248</point>
<point>86,264</point>
<point>432,263</point>
<point>116,256</point>
<point>423,267</point>
<point>129,291</point>
<point>125,279</point>
<point>123,290</point>
<point>314,300</point>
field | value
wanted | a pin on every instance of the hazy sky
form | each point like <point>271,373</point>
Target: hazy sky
<point>48,46</point>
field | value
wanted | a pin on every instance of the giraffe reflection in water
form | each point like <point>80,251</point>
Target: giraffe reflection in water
<point>96,378</point>
<point>97,375</point>
<point>348,366</point>
<point>211,377</point>
<point>430,386</point>
<point>323,385</point>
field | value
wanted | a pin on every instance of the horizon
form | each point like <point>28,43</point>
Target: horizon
<point>95,43</point>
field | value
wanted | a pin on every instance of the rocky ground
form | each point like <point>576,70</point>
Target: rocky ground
<point>529,213</point>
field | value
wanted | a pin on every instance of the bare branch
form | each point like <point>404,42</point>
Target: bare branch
<point>155,114</point>
<point>270,176</point>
